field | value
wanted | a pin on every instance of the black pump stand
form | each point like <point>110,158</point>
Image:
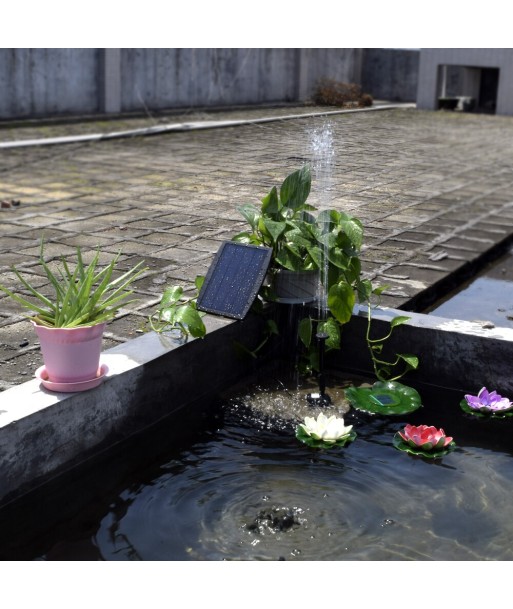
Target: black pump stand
<point>321,398</point>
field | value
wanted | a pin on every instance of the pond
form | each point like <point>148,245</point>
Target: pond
<point>235,484</point>
<point>486,297</point>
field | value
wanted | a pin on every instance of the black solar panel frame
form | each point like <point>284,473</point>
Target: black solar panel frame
<point>233,279</point>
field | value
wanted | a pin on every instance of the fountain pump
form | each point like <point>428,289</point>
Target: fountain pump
<point>320,398</point>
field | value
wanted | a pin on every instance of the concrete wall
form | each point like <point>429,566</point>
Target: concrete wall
<point>58,82</point>
<point>48,82</point>
<point>170,78</point>
<point>390,74</point>
<point>429,74</point>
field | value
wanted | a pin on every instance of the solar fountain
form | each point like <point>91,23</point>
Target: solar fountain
<point>199,456</point>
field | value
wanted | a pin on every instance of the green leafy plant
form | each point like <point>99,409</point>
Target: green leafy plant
<point>84,296</point>
<point>384,369</point>
<point>285,224</point>
<point>178,313</point>
<point>327,242</point>
<point>386,396</point>
<point>271,329</point>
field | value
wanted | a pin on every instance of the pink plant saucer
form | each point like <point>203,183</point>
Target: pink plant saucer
<point>42,375</point>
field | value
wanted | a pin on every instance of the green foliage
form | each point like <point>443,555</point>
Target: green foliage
<point>178,313</point>
<point>328,242</point>
<point>271,329</point>
<point>386,370</point>
<point>83,297</point>
<point>284,222</point>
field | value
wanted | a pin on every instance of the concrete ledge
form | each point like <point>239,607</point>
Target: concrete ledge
<point>453,353</point>
<point>44,434</point>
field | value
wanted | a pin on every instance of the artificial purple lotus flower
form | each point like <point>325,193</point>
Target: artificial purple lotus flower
<point>425,437</point>
<point>486,401</point>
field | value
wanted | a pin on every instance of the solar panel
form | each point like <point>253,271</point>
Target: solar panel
<point>233,279</point>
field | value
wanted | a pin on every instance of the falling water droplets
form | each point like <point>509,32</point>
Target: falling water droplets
<point>323,156</point>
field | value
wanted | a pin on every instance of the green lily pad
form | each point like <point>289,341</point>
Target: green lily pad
<point>302,436</point>
<point>384,398</point>
<point>483,414</point>
<point>400,444</point>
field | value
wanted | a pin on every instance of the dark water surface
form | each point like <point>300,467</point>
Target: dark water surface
<point>242,487</point>
<point>486,297</point>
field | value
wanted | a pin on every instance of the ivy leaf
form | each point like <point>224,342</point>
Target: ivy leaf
<point>354,230</point>
<point>244,237</point>
<point>411,360</point>
<point>332,329</point>
<point>341,301</point>
<point>167,314</point>
<point>305,331</point>
<point>317,255</point>
<point>289,258</point>
<point>338,257</point>
<point>171,296</point>
<point>327,219</point>
<point>295,188</point>
<point>364,289</point>
<point>192,320</point>
<point>251,214</point>
<point>397,321</point>
<point>296,237</point>
<point>380,289</point>
<point>275,229</point>
<point>270,203</point>
<point>199,281</point>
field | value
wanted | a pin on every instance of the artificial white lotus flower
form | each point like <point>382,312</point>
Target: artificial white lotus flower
<point>327,429</point>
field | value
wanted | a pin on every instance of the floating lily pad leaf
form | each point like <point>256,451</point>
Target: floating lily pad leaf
<point>302,436</point>
<point>484,413</point>
<point>384,398</point>
<point>400,444</point>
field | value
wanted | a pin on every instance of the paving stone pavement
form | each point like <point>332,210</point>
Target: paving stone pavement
<point>433,190</point>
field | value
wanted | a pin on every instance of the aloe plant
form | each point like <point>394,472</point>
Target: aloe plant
<point>85,296</point>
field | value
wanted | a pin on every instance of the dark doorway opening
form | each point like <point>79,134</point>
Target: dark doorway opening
<point>488,90</point>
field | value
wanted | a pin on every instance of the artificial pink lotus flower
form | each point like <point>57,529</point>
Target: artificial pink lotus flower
<point>425,437</point>
<point>488,402</point>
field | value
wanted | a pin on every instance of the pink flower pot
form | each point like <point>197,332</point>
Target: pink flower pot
<point>71,355</point>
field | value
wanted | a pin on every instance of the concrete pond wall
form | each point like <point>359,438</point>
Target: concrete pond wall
<point>44,435</point>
